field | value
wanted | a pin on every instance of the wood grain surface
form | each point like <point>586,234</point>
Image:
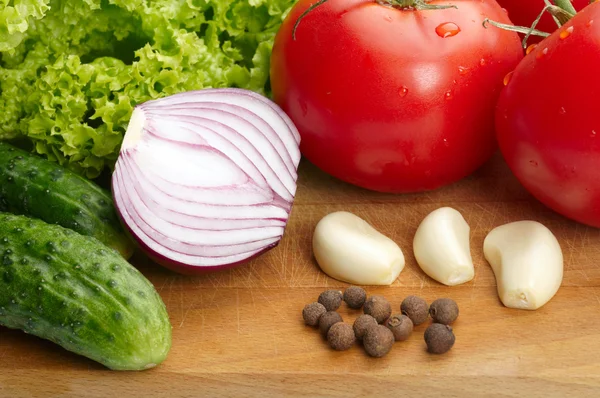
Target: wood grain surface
<point>240,332</point>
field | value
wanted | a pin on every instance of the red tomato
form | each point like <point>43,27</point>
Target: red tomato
<point>394,100</point>
<point>547,119</point>
<point>524,12</point>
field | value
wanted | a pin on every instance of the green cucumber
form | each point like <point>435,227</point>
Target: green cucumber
<point>74,291</point>
<point>36,187</point>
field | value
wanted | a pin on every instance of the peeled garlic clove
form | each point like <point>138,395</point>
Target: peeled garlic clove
<point>527,261</point>
<point>347,248</point>
<point>441,247</point>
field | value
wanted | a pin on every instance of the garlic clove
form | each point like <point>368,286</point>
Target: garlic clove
<point>442,249</point>
<point>527,261</point>
<point>349,249</point>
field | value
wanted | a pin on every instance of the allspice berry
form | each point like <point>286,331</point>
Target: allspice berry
<point>378,307</point>
<point>443,311</point>
<point>439,338</point>
<point>416,309</point>
<point>378,341</point>
<point>362,323</point>
<point>401,326</point>
<point>312,312</point>
<point>355,297</point>
<point>327,320</point>
<point>341,336</point>
<point>331,299</point>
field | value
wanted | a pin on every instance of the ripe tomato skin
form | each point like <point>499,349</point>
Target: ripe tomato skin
<point>382,101</point>
<point>525,12</point>
<point>547,119</point>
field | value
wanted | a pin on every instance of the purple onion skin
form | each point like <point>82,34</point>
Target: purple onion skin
<point>186,269</point>
<point>181,268</point>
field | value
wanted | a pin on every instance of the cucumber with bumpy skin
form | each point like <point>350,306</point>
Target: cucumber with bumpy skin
<point>36,187</point>
<point>74,291</point>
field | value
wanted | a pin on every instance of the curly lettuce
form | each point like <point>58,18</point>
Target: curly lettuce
<point>71,71</point>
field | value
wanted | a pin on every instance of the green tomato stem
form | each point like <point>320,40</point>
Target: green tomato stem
<point>305,13</point>
<point>518,29</point>
<point>415,5</point>
<point>548,4</point>
<point>566,5</point>
<point>560,15</point>
<point>400,4</point>
<point>535,23</point>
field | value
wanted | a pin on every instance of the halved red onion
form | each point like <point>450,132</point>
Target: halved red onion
<point>206,179</point>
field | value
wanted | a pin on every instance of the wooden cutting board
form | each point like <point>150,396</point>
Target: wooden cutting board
<point>240,332</point>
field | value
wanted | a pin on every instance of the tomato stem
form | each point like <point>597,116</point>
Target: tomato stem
<point>305,13</point>
<point>400,4</point>
<point>415,5</point>
<point>548,4</point>
<point>518,29</point>
<point>535,23</point>
<point>560,15</point>
<point>566,5</point>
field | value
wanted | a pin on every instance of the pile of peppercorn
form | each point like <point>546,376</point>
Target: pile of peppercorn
<point>377,328</point>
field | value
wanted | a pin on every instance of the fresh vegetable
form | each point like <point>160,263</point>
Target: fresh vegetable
<point>349,249</point>
<point>546,119</point>
<point>36,187</point>
<point>71,71</point>
<point>524,13</point>
<point>70,289</point>
<point>390,97</point>
<point>206,179</point>
<point>527,261</point>
<point>442,248</point>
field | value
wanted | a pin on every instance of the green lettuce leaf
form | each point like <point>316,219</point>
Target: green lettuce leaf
<point>71,71</point>
<point>14,20</point>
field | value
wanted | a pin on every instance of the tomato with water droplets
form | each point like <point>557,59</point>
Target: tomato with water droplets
<point>525,12</point>
<point>389,99</point>
<point>547,119</point>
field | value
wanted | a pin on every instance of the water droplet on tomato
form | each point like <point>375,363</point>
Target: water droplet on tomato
<point>530,48</point>
<point>566,33</point>
<point>542,53</point>
<point>507,78</point>
<point>589,23</point>
<point>446,143</point>
<point>562,110</point>
<point>403,91</point>
<point>447,29</point>
<point>482,62</point>
<point>594,133</point>
<point>463,70</point>
<point>448,95</point>
<point>388,18</point>
<point>533,163</point>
